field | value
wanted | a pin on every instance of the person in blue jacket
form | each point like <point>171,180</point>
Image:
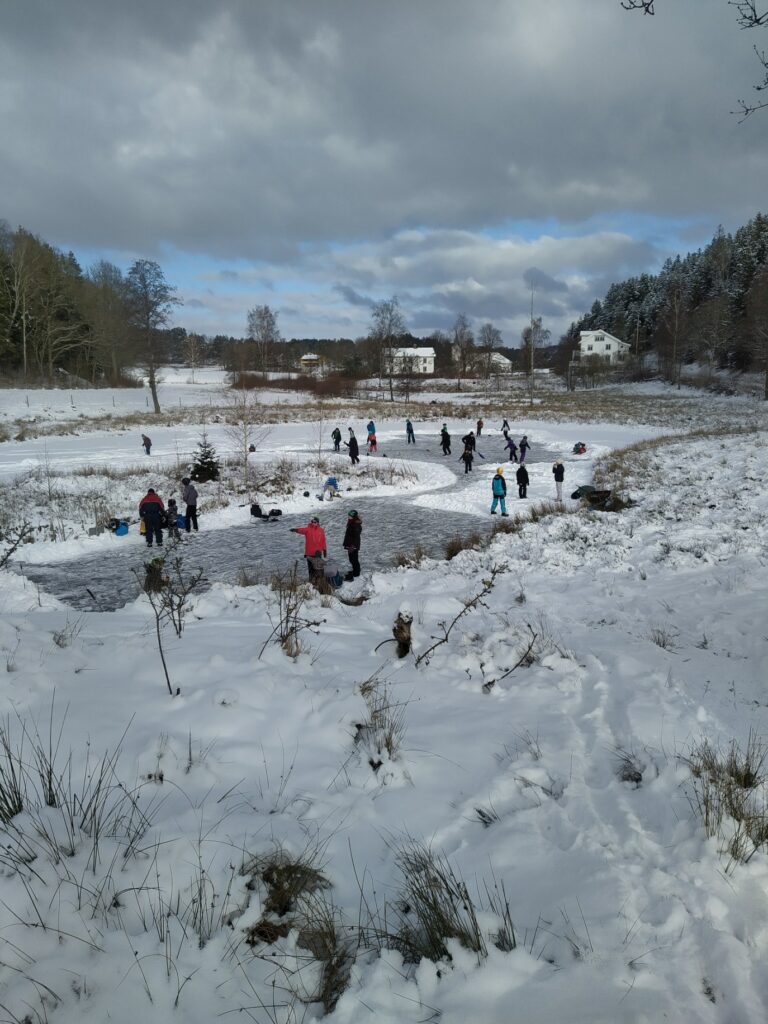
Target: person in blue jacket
<point>499,490</point>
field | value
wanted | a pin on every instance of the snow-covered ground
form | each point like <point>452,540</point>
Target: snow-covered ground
<point>636,636</point>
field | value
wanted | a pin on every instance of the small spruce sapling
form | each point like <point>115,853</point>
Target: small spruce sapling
<point>206,464</point>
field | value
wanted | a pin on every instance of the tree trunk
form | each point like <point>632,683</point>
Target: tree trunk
<point>153,389</point>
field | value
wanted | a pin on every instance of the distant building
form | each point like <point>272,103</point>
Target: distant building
<point>310,362</point>
<point>413,360</point>
<point>500,363</point>
<point>602,345</point>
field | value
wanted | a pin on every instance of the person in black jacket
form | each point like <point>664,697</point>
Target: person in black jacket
<point>522,481</point>
<point>469,440</point>
<point>336,438</point>
<point>351,543</point>
<point>354,449</point>
<point>445,440</point>
<point>559,472</point>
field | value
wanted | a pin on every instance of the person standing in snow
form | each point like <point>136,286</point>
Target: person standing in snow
<point>469,440</point>
<point>522,481</point>
<point>147,443</point>
<point>499,491</point>
<point>352,445</point>
<point>445,440</point>
<point>351,543</point>
<point>315,546</point>
<point>336,438</point>
<point>151,510</point>
<point>512,449</point>
<point>372,444</point>
<point>172,520</point>
<point>466,457</point>
<point>559,471</point>
<point>480,426</point>
<point>189,497</point>
<point>410,437</point>
<point>524,446</point>
<point>505,426</point>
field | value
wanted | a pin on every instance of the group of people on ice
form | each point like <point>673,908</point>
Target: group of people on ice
<point>352,445</point>
<point>321,569</point>
<point>155,517</point>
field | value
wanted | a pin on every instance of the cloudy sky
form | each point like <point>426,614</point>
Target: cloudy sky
<point>320,155</point>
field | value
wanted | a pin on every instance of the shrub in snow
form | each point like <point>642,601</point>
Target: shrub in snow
<point>206,464</point>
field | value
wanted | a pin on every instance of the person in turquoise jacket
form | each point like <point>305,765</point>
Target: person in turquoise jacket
<point>499,489</point>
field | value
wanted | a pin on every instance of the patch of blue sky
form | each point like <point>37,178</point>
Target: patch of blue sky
<point>666,234</point>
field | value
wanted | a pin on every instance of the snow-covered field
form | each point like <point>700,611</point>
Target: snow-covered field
<point>246,856</point>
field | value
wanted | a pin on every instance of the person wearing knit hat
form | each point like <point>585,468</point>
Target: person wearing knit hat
<point>499,491</point>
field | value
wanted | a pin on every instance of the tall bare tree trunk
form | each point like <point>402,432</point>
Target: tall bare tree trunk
<point>153,388</point>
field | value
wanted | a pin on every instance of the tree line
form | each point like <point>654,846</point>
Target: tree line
<point>55,318</point>
<point>710,306</point>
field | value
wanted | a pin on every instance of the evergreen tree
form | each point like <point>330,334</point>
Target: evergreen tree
<point>206,464</point>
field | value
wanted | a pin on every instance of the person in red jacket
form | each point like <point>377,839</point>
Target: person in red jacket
<point>151,510</point>
<point>315,545</point>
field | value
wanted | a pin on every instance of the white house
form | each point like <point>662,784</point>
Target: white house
<point>500,363</point>
<point>603,345</point>
<point>413,360</point>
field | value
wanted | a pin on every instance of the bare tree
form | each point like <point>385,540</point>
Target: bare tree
<point>533,337</point>
<point>387,328</point>
<point>490,338</point>
<point>22,255</point>
<point>151,300</point>
<point>747,16</point>
<point>463,347</point>
<point>57,326</point>
<point>193,348</point>
<point>242,429</point>
<point>106,304</point>
<point>263,331</point>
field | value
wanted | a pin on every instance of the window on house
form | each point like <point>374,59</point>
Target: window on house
<point>608,347</point>
<point>599,337</point>
<point>589,348</point>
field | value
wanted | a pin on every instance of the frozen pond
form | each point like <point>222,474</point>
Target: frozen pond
<point>390,525</point>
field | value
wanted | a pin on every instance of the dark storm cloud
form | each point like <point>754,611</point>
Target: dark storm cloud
<point>352,297</point>
<point>274,132</point>
<point>536,278</point>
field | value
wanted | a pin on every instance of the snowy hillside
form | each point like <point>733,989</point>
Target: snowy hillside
<point>553,808</point>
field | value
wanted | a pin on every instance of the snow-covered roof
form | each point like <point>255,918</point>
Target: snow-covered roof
<point>500,360</point>
<point>310,357</point>
<point>415,353</point>
<point>590,336</point>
